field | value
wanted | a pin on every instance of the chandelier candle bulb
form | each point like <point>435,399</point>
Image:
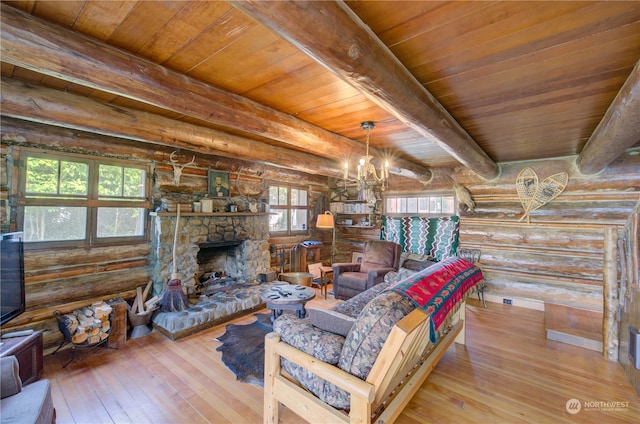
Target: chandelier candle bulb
<point>367,178</point>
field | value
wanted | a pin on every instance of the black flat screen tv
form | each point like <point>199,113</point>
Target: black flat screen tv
<point>11,276</point>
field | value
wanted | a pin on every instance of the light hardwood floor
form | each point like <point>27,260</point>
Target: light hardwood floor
<point>506,373</point>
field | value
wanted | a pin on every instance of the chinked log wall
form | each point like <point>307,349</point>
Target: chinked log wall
<point>559,256</point>
<point>556,258</point>
<point>69,278</point>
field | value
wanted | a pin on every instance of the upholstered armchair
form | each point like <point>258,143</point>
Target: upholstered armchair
<point>379,258</point>
<point>31,403</point>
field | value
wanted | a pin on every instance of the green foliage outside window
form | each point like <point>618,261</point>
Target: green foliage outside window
<point>48,176</point>
<point>289,210</point>
<point>82,199</point>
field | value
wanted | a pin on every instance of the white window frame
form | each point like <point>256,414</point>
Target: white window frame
<point>289,207</point>
<point>409,198</point>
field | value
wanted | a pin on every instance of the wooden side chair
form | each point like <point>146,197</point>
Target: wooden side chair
<point>473,256</point>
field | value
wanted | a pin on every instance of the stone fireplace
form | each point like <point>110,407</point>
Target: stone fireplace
<point>234,245</point>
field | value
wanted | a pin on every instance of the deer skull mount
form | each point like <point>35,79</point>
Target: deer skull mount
<point>177,169</point>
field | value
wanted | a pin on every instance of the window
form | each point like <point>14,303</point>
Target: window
<point>289,210</point>
<point>420,205</point>
<point>73,199</point>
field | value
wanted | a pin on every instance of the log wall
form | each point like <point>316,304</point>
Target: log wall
<point>558,257</point>
<point>65,279</point>
<point>625,311</point>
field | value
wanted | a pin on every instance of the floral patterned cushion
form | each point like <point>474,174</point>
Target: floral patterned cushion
<point>356,354</point>
<point>356,304</point>
<point>325,391</point>
<point>370,331</point>
<point>323,345</point>
<point>416,266</point>
<point>394,277</point>
<point>302,335</point>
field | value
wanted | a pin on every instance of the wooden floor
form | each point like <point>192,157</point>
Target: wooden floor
<point>579,327</point>
<point>508,372</point>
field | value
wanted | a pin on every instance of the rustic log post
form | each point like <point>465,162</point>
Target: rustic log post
<point>610,295</point>
<point>617,131</point>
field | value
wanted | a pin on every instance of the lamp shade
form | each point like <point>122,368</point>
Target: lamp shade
<point>325,220</point>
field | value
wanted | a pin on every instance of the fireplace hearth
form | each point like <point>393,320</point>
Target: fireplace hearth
<point>215,309</point>
<point>230,245</point>
<point>219,258</point>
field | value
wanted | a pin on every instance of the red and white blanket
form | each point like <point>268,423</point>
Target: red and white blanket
<point>440,289</point>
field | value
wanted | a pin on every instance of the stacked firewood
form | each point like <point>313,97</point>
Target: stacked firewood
<point>141,308</point>
<point>89,325</point>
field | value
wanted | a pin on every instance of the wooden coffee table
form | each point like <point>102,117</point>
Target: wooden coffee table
<point>288,297</point>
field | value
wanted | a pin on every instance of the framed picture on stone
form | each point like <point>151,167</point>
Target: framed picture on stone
<point>218,184</point>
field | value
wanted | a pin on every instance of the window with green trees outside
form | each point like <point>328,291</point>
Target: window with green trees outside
<point>79,200</point>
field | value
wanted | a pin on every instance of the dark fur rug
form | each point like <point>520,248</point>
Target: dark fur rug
<point>243,349</point>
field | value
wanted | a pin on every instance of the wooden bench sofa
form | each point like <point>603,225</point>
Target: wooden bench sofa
<point>308,370</point>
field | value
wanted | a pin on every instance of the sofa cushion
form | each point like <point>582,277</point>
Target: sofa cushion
<point>325,391</point>
<point>370,331</point>
<point>301,334</point>
<point>332,321</point>
<point>394,276</point>
<point>323,345</point>
<point>406,256</point>
<point>414,265</point>
<point>352,307</point>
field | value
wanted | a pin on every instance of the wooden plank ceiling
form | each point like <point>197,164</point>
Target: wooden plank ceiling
<point>474,83</point>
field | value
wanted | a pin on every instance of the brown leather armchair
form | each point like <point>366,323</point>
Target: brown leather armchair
<point>379,258</point>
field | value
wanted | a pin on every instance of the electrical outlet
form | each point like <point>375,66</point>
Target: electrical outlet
<point>506,301</point>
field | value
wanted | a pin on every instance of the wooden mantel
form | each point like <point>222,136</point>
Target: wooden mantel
<point>183,214</point>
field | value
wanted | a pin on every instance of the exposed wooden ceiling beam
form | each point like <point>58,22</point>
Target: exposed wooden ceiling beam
<point>45,105</point>
<point>618,130</point>
<point>334,36</point>
<point>18,131</point>
<point>34,44</point>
